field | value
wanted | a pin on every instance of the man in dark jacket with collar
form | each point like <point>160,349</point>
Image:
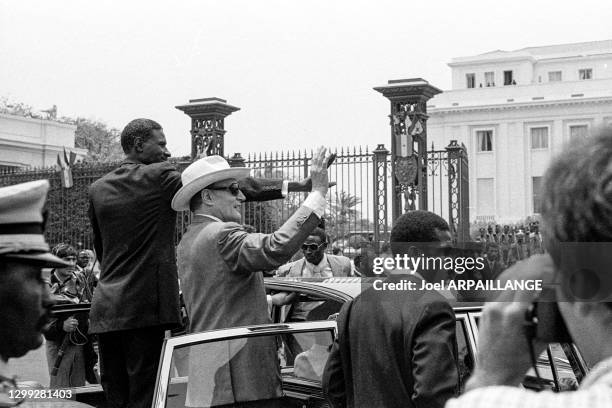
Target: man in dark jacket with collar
<point>397,348</point>
<point>137,297</point>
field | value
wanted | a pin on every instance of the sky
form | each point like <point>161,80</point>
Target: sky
<point>302,72</point>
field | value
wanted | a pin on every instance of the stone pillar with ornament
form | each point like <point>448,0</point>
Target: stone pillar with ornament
<point>408,118</point>
<point>207,125</point>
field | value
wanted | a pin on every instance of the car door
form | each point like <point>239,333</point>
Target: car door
<point>208,369</point>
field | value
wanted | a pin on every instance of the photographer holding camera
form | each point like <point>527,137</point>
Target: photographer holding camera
<point>577,215</point>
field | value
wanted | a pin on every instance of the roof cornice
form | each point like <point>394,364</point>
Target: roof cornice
<point>517,106</point>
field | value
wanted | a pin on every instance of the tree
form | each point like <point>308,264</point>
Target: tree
<point>343,214</point>
<point>102,143</point>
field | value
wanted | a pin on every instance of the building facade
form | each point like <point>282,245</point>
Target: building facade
<point>33,142</point>
<point>514,110</point>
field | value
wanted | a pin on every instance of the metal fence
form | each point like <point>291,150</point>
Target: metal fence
<point>67,207</point>
<point>350,210</point>
<point>357,208</point>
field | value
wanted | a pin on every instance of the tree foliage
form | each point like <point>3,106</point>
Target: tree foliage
<point>102,144</point>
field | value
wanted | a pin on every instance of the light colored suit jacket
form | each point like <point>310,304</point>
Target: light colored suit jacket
<point>340,266</point>
<point>220,266</point>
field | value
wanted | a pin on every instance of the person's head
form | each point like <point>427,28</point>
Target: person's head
<point>143,140</point>
<point>222,200</point>
<point>577,218</point>
<point>211,187</point>
<point>68,254</point>
<point>24,296</point>
<point>83,258</point>
<point>314,246</point>
<point>420,232</point>
<point>24,307</point>
<point>506,229</point>
<point>492,251</point>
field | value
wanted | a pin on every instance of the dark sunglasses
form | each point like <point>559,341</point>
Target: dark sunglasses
<point>233,188</point>
<point>312,247</point>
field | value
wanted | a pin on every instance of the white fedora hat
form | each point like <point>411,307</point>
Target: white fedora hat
<point>202,173</point>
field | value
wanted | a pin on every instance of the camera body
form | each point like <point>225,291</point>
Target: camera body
<point>544,321</point>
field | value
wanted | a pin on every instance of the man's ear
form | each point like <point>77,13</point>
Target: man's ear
<point>138,142</point>
<point>207,197</point>
<point>413,252</point>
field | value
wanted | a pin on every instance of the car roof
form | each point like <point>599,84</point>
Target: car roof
<point>347,288</point>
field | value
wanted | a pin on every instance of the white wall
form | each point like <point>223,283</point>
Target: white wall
<point>34,142</point>
<point>512,163</point>
<point>602,68</point>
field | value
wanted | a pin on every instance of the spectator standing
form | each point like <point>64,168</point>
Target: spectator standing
<point>397,348</point>
<point>24,295</point>
<point>67,335</point>
<point>577,192</point>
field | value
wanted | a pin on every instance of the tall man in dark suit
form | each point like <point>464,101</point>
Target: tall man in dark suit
<point>137,297</point>
<point>397,348</point>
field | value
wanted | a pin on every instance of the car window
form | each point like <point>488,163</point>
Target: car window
<point>215,370</point>
<point>465,353</point>
<point>306,308</point>
<point>563,371</point>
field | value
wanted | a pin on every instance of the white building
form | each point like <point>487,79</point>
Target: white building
<point>34,142</point>
<point>514,110</point>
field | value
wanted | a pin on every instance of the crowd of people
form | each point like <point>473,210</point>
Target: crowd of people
<point>394,348</point>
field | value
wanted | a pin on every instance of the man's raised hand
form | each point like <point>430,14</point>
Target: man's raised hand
<point>318,171</point>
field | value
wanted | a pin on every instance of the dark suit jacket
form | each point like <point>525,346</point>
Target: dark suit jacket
<point>395,349</point>
<point>134,230</point>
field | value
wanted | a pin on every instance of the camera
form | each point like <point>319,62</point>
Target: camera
<point>544,321</point>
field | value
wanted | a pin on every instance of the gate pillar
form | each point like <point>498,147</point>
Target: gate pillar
<point>458,191</point>
<point>207,124</point>
<point>408,117</point>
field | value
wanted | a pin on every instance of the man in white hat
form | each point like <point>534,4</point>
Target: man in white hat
<point>220,266</point>
<point>24,296</point>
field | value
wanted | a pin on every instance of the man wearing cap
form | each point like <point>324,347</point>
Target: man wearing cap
<point>24,297</point>
<point>137,296</point>
<point>220,267</point>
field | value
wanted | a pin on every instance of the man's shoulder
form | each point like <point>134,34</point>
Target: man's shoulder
<point>129,172</point>
<point>213,230</point>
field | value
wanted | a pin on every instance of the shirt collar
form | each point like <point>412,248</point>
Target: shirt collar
<point>212,217</point>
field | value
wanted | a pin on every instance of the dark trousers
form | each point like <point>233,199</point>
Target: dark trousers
<point>128,364</point>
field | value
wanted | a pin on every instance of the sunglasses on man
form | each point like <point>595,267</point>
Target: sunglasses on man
<point>233,188</point>
<point>312,247</point>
